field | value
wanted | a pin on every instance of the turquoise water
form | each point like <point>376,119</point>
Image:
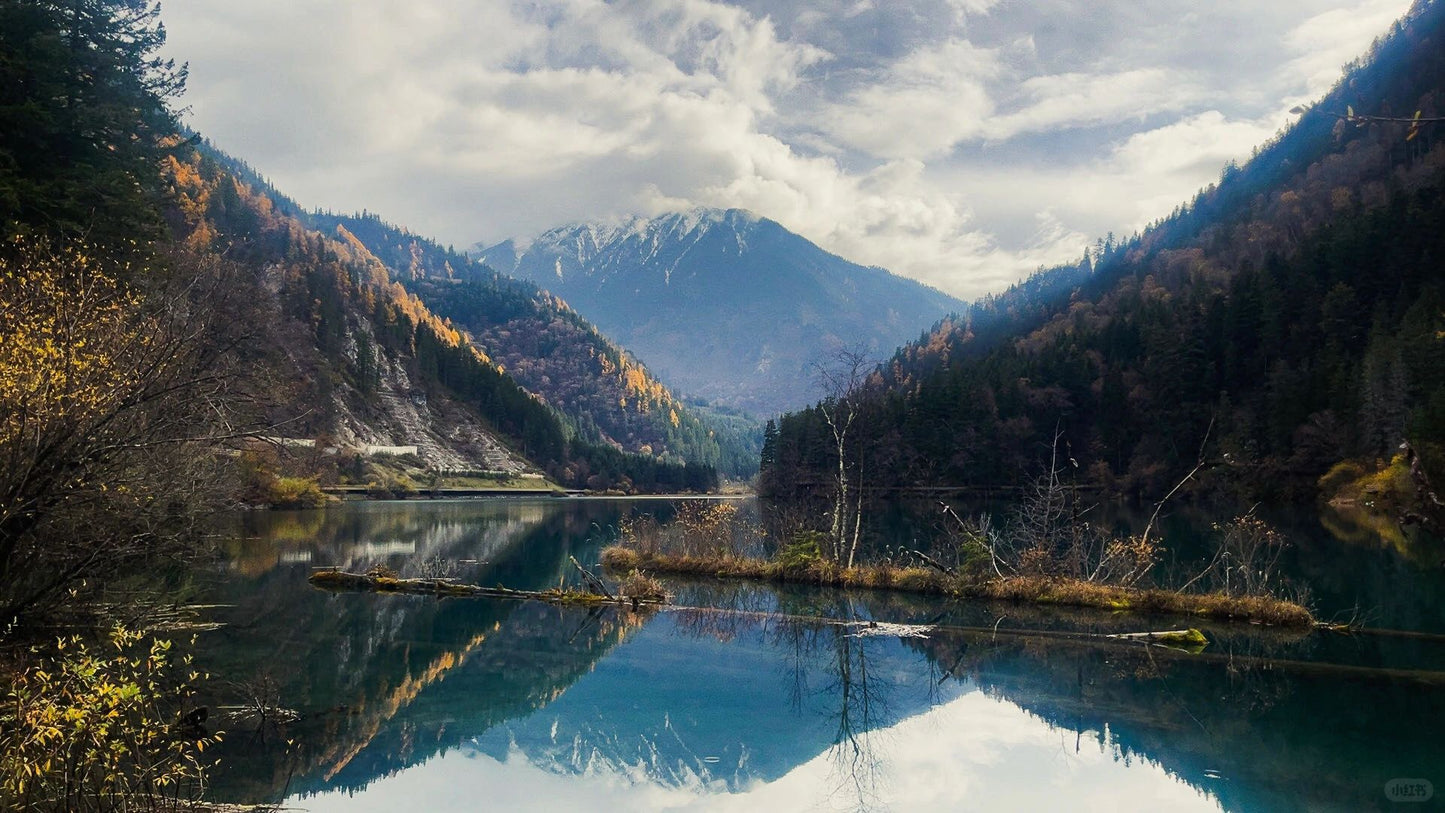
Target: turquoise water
<point>753,698</point>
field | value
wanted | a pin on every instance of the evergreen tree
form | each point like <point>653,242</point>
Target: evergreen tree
<point>84,118</point>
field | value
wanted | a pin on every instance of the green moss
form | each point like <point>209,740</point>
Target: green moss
<point>1385,489</point>
<point>1183,638</point>
<point>1339,476</point>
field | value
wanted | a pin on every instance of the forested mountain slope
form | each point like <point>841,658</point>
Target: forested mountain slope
<point>358,357</point>
<point>606,395</point>
<point>1286,319</point>
<point>724,305</point>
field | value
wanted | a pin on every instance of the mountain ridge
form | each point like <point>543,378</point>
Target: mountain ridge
<point>606,395</point>
<point>366,359</point>
<point>772,303</point>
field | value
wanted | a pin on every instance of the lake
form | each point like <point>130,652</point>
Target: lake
<point>760,698</point>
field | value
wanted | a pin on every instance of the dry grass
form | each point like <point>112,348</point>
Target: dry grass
<point>1075,593</point>
<point>637,584</point>
<point>883,576</point>
<point>1031,589</point>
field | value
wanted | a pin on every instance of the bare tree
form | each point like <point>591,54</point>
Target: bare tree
<point>842,379</point>
<point>1049,532</point>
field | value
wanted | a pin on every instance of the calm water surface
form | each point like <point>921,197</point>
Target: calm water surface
<point>760,699</point>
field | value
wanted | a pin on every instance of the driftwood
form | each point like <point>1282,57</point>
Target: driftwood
<point>934,563</point>
<point>1188,638</point>
<point>594,584</point>
<point>332,579</point>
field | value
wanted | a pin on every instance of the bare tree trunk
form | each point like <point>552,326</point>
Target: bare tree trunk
<point>843,381</point>
<point>857,515</point>
<point>840,504</point>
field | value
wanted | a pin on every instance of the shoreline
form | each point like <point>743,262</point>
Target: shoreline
<point>1024,589</point>
<point>351,494</point>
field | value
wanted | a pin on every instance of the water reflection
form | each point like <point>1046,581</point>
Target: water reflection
<point>784,699</point>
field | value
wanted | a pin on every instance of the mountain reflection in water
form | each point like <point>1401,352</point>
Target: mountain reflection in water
<point>762,700</point>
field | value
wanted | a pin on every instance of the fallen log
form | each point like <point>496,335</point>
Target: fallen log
<point>1183,639</point>
<point>337,580</point>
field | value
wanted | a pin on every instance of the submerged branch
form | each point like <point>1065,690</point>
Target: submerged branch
<point>332,579</point>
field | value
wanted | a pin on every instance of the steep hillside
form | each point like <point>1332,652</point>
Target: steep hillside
<point>355,357</point>
<point>1290,315</point>
<point>724,305</point>
<point>606,395</point>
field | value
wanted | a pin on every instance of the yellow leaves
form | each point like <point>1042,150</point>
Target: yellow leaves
<point>635,380</point>
<point>71,342</point>
<point>90,723</point>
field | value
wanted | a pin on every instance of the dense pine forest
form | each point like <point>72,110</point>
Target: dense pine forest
<point>1285,321</point>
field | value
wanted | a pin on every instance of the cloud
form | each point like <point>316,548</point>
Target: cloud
<point>1081,99</point>
<point>922,106</point>
<point>1325,42</point>
<point>960,142</point>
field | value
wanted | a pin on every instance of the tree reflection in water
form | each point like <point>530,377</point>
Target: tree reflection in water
<point>767,692</point>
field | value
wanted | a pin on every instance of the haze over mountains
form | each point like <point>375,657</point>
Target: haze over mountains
<point>723,304</point>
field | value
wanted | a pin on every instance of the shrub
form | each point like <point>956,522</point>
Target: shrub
<point>295,492</point>
<point>1248,559</point>
<point>701,528</point>
<point>803,551</point>
<point>638,585</point>
<point>402,486</point>
<point>99,728</point>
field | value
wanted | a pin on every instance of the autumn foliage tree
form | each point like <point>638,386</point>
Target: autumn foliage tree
<point>110,397</point>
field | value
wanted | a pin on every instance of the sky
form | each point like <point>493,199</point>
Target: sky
<point>963,143</point>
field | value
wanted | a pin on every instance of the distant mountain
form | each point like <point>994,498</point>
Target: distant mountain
<point>724,305</point>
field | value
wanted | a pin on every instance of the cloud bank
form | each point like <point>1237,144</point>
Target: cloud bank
<point>960,142</point>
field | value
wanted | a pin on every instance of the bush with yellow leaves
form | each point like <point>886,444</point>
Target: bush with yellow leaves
<point>102,727</point>
<point>111,378</point>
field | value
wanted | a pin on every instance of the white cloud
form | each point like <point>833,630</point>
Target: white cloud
<point>1079,99</point>
<point>1325,42</point>
<point>961,142</point>
<point>925,104</point>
